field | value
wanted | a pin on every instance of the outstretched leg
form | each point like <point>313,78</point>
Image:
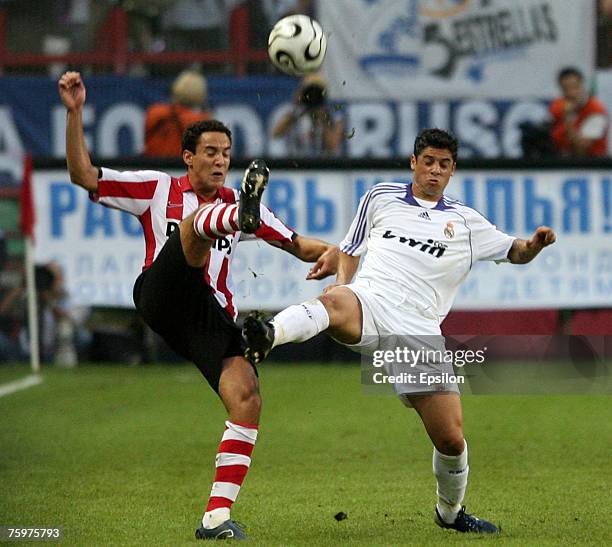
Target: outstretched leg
<point>338,312</point>
<point>216,220</point>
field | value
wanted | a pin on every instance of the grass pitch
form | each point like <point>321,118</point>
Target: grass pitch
<point>125,456</point>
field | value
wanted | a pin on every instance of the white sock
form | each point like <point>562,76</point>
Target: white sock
<point>452,475</point>
<point>300,322</point>
<point>214,518</point>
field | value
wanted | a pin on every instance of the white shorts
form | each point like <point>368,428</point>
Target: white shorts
<point>387,325</point>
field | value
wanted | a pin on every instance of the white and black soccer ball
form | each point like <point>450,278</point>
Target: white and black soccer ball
<point>297,45</point>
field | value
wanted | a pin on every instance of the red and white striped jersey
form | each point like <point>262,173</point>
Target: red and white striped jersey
<point>160,202</point>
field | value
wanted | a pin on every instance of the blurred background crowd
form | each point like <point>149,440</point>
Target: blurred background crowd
<point>56,27</point>
<point>153,27</point>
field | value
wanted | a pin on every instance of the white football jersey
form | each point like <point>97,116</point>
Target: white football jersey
<point>419,254</point>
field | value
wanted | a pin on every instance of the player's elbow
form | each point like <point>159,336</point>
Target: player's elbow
<point>75,177</point>
<point>85,179</point>
<point>78,181</point>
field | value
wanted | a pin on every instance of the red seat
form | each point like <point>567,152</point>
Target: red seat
<point>501,322</point>
<point>592,322</point>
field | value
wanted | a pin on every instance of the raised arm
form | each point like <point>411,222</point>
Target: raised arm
<point>82,172</point>
<point>525,250</point>
<point>308,249</point>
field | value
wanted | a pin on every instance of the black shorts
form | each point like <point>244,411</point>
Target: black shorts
<point>176,302</point>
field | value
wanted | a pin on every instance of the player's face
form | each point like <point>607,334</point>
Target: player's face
<point>433,169</point>
<point>209,165</point>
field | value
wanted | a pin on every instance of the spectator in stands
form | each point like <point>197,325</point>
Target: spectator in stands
<point>12,309</point>
<point>604,34</point>
<point>277,9</point>
<point>263,15</point>
<point>57,329</point>
<point>310,127</point>
<point>11,314</point>
<point>580,121</point>
<point>63,332</point>
<point>165,122</point>
<point>192,25</point>
<point>13,331</point>
<point>3,250</point>
<point>144,23</point>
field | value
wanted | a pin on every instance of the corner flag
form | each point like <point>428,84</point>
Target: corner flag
<point>26,224</point>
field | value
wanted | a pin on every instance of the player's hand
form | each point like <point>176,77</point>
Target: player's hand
<point>326,265</point>
<point>72,90</point>
<point>542,237</point>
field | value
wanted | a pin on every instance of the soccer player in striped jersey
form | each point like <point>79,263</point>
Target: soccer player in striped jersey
<point>420,247</point>
<point>192,225</point>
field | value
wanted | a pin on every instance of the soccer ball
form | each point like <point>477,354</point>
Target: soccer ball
<point>297,45</point>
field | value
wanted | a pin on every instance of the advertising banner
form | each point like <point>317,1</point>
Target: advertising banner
<point>114,115</point>
<point>415,49</point>
<point>102,250</point>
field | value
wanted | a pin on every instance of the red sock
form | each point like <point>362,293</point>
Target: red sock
<point>232,462</point>
<point>216,220</point>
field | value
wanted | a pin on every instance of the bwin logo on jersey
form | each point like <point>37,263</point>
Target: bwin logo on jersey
<point>434,248</point>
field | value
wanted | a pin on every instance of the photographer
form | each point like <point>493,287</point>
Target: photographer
<point>310,128</point>
<point>165,122</point>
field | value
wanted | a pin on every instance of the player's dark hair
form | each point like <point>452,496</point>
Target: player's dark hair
<point>570,71</point>
<point>192,133</point>
<point>436,138</point>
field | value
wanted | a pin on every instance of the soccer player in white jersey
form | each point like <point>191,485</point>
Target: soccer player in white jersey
<point>191,226</point>
<point>420,247</point>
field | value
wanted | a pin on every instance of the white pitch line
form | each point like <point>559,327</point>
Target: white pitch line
<point>18,385</point>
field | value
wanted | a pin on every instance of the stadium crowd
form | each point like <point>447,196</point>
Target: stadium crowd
<point>151,26</point>
<point>158,26</point>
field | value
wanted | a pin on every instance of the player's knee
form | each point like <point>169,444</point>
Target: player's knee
<point>248,399</point>
<point>251,404</point>
<point>333,306</point>
<point>452,444</point>
<point>329,301</point>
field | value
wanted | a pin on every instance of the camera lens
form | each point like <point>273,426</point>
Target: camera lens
<point>313,96</point>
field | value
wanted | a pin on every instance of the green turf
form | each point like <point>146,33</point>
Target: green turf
<point>121,455</point>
